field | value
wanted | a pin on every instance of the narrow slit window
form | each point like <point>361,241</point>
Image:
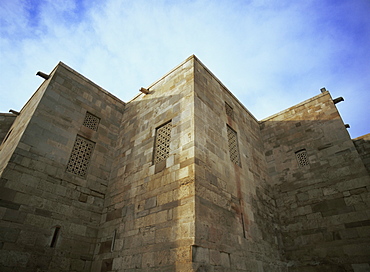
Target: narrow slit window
<point>54,240</point>
<point>162,142</point>
<point>91,121</point>
<point>302,157</point>
<point>80,156</point>
<point>7,136</point>
<point>229,110</point>
<point>243,225</point>
<point>233,146</point>
<point>113,240</point>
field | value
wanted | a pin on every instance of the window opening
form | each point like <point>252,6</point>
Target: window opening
<point>7,136</point>
<point>91,121</point>
<point>302,157</point>
<point>113,240</point>
<point>55,236</point>
<point>80,156</point>
<point>162,142</point>
<point>243,224</point>
<point>229,110</point>
<point>233,146</point>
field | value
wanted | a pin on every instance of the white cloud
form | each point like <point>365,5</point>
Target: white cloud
<point>270,54</point>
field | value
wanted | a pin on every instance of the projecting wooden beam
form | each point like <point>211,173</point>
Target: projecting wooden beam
<point>144,91</point>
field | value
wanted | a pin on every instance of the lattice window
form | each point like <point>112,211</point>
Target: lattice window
<point>229,110</point>
<point>233,146</point>
<point>80,157</point>
<point>91,121</point>
<point>162,142</point>
<point>302,158</point>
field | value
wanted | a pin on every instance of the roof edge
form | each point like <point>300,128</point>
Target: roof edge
<point>7,114</point>
<point>62,64</point>
<point>193,56</point>
<point>165,75</point>
<point>362,137</point>
<point>223,86</point>
<point>296,105</point>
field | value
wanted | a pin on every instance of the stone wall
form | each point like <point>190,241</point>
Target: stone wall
<point>6,121</point>
<point>362,145</point>
<point>19,126</point>
<point>183,178</point>
<point>236,223</point>
<point>50,217</point>
<point>321,188</point>
<point>148,221</point>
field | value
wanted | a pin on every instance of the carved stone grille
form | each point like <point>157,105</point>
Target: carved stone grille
<point>80,157</point>
<point>162,142</point>
<point>233,146</point>
<point>229,110</point>
<point>302,158</point>
<point>91,121</point>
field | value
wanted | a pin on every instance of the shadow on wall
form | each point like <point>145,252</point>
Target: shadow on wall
<point>321,189</point>
<point>6,121</point>
<point>362,145</point>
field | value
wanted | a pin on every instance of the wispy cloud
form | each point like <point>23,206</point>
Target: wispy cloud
<point>270,54</point>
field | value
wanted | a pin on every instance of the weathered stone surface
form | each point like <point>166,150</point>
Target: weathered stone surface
<point>322,204</point>
<point>362,145</point>
<point>288,193</point>
<point>6,121</point>
<point>37,193</point>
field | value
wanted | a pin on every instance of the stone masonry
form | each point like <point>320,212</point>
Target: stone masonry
<point>6,121</point>
<point>181,178</point>
<point>323,205</point>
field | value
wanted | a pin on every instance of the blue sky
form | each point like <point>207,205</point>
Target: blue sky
<point>270,54</point>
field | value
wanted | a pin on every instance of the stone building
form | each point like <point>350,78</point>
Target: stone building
<point>181,178</point>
